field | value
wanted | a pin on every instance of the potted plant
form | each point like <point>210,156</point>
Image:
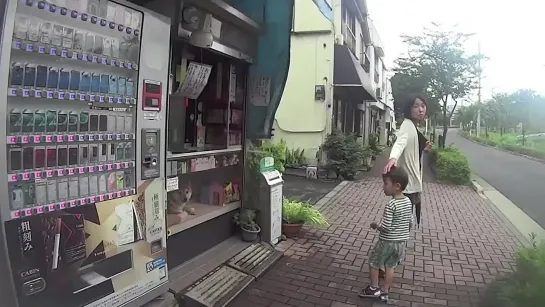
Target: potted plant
<point>245,219</point>
<point>295,214</point>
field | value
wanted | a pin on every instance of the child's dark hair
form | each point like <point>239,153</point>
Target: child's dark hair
<point>397,176</point>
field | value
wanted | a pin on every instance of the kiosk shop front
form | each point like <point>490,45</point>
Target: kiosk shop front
<point>83,86</point>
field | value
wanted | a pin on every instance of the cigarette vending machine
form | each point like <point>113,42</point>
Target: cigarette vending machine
<point>83,86</point>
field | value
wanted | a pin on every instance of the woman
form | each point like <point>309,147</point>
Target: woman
<point>408,148</point>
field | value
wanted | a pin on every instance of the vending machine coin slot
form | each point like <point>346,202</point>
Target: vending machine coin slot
<point>150,153</point>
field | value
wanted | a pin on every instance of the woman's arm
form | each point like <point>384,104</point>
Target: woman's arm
<point>401,140</point>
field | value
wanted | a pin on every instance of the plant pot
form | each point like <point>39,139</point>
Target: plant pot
<point>250,235</point>
<point>291,230</point>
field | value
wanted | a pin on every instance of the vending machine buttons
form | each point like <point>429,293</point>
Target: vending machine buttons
<point>111,25</point>
<point>72,203</point>
<point>12,177</point>
<point>109,167</point>
<point>62,205</point>
<point>60,138</point>
<point>27,212</point>
<point>81,170</point>
<point>70,138</point>
<point>110,196</point>
<point>91,169</point>
<point>51,207</point>
<point>84,17</point>
<point>40,209</point>
<point>100,168</point>
<point>120,28</point>
<point>71,171</point>
<point>128,30</point>
<point>38,175</point>
<point>92,200</point>
<point>26,176</point>
<point>12,140</point>
<point>60,172</point>
<point>118,166</point>
<point>136,32</point>
<point>41,5</point>
<point>81,137</point>
<point>101,198</point>
<point>119,194</point>
<point>49,174</point>
<point>82,201</point>
<point>74,14</point>
<point>103,22</point>
<point>64,11</point>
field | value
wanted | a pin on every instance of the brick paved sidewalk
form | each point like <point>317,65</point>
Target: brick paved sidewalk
<point>461,245</point>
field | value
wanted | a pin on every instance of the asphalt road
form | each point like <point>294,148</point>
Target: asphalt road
<point>521,180</point>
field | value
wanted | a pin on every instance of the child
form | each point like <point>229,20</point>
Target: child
<point>394,232</point>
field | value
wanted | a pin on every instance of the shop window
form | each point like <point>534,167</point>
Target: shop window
<point>205,138</point>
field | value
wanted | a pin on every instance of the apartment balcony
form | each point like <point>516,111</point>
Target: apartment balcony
<point>365,62</point>
<point>349,38</point>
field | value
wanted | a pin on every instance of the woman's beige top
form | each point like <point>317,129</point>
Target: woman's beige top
<point>405,150</point>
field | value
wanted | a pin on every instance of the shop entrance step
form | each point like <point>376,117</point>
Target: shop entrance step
<point>217,288</point>
<point>255,259</point>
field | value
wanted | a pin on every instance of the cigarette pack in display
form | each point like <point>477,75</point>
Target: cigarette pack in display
<point>72,238</point>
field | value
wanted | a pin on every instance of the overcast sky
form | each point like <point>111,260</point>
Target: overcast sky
<point>510,33</point>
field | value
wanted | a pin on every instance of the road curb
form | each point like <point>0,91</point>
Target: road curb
<point>520,224</point>
<point>321,204</point>
<point>477,187</point>
<point>504,150</point>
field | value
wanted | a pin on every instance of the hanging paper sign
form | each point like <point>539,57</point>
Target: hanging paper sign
<point>195,80</point>
<point>259,91</point>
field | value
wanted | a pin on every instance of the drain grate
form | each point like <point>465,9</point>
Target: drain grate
<point>255,259</point>
<point>217,288</point>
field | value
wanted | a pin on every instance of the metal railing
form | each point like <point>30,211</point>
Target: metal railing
<point>365,62</point>
<point>349,38</point>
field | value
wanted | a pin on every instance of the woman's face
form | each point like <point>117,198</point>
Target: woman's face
<point>418,112</point>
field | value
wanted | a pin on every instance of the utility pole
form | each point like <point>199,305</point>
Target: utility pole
<point>479,92</point>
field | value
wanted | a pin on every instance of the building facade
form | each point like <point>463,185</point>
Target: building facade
<point>337,77</point>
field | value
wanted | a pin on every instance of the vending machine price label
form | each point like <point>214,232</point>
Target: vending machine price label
<point>40,210</point>
<point>25,139</point>
<point>81,170</point>
<point>26,93</point>
<point>121,63</point>
<point>109,167</point>
<point>29,47</point>
<point>37,139</point>
<point>52,207</point>
<point>100,137</point>
<point>82,97</point>
<point>60,172</point>
<point>71,138</point>
<point>53,51</point>
<point>113,62</point>
<point>38,175</point>
<point>94,59</point>
<point>41,49</point>
<point>49,94</point>
<point>17,45</point>
<point>110,99</point>
<point>12,177</point>
<point>71,171</point>
<point>49,174</point>
<point>101,198</point>
<point>48,138</point>
<point>12,92</point>
<point>83,201</point>
<point>104,61</point>
<point>37,94</point>
<point>26,176</point>
<point>60,138</point>
<point>101,168</point>
<point>61,96</point>
<point>119,99</point>
<point>92,199</point>
<point>85,57</point>
<point>72,203</point>
<point>81,138</point>
<point>64,53</point>
<point>12,140</point>
<point>91,169</point>
<point>101,98</point>
<point>72,96</point>
<point>62,205</point>
<point>91,137</point>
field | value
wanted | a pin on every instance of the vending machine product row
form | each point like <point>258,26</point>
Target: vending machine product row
<point>83,85</point>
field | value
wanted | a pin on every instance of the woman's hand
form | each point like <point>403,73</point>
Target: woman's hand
<point>429,146</point>
<point>392,163</point>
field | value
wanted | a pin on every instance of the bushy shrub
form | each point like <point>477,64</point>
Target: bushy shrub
<point>278,152</point>
<point>344,154</point>
<point>451,165</point>
<point>525,286</point>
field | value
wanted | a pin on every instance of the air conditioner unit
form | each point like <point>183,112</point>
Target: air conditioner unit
<point>379,93</point>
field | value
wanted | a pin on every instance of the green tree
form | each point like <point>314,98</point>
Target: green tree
<point>438,56</point>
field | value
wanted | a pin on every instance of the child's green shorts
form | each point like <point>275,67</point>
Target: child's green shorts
<point>387,254</point>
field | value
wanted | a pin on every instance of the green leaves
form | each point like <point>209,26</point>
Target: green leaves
<point>344,154</point>
<point>296,212</point>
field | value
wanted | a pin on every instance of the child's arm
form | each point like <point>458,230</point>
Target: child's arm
<point>387,217</point>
